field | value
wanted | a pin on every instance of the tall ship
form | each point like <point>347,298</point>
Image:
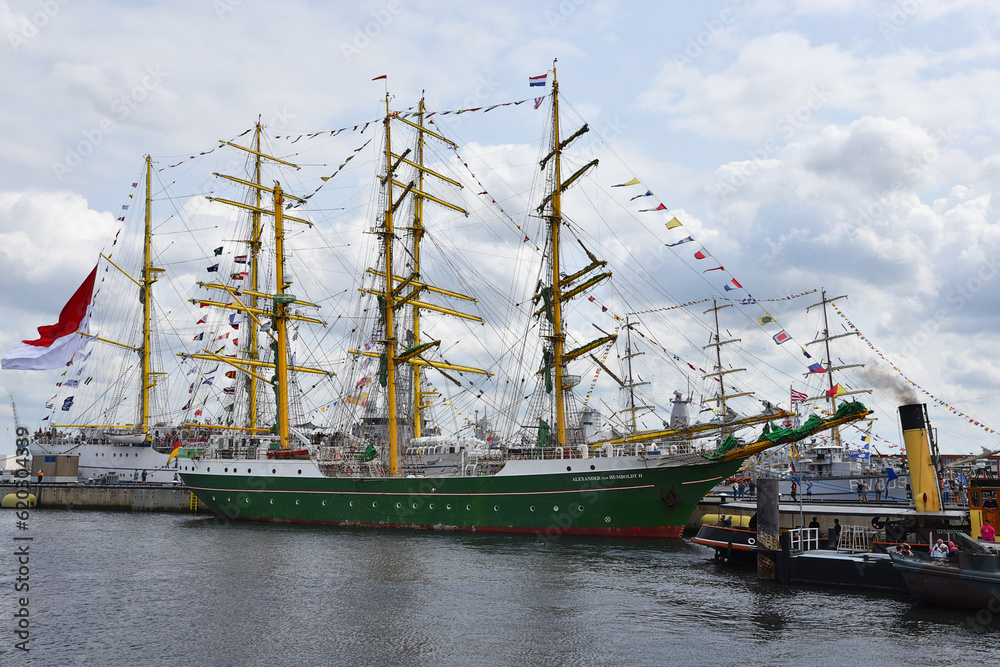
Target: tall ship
<point>381,459</point>
<point>108,409</point>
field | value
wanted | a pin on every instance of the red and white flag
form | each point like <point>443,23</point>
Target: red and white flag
<point>57,343</point>
<point>798,396</point>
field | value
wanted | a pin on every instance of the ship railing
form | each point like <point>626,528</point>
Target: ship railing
<point>803,539</point>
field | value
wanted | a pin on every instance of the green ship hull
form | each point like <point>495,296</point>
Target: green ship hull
<point>649,500</point>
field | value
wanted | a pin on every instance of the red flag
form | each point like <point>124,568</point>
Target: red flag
<point>700,254</point>
<point>57,343</point>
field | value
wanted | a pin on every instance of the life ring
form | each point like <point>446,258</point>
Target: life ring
<point>337,456</point>
<point>350,469</point>
<point>751,541</point>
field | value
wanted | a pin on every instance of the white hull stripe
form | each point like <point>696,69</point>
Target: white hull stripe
<point>699,481</point>
<point>424,493</point>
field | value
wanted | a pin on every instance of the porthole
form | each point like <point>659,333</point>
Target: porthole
<point>274,471</point>
<point>209,469</point>
<point>248,471</point>
<point>496,508</point>
<point>555,508</point>
<point>213,497</point>
<point>300,472</point>
<point>296,502</point>
<point>398,505</point>
<point>468,507</point>
<point>569,468</point>
<point>448,507</point>
<point>580,508</point>
<point>246,500</point>
<point>272,501</point>
<point>607,519</point>
<point>229,500</point>
<point>414,506</point>
<point>593,467</point>
<point>532,508</point>
<point>431,506</point>
<point>351,503</point>
<point>227,469</point>
<point>374,504</point>
<point>324,503</point>
<point>751,540</point>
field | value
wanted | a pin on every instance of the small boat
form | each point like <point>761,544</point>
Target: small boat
<point>735,543</point>
<point>968,578</point>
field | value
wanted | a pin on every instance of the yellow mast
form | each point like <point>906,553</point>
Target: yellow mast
<point>418,233</point>
<point>251,299</point>
<point>148,278</point>
<point>389,351</point>
<point>280,307</point>
<point>558,337</point>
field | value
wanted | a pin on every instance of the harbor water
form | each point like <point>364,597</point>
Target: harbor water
<point>120,588</point>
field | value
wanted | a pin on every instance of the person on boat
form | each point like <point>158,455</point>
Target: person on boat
<point>836,529</point>
<point>752,523</point>
<point>753,488</point>
<point>987,532</point>
<point>795,488</point>
<point>939,549</point>
<point>862,496</point>
<point>41,474</point>
<point>814,523</point>
<point>879,488</point>
<point>990,502</point>
<point>143,476</point>
<point>952,550</point>
<point>904,550</point>
<point>809,489</point>
<point>728,523</point>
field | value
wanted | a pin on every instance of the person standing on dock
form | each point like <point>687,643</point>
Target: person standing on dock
<point>41,474</point>
<point>862,496</point>
<point>878,490</point>
<point>809,489</point>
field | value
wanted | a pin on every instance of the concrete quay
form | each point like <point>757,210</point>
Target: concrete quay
<point>123,497</point>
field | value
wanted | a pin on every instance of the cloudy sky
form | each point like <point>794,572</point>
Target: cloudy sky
<point>844,144</point>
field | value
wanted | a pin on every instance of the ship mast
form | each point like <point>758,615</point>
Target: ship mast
<point>391,292</point>
<point>554,294</point>
<point>830,368</point>
<point>149,276</point>
<point>719,373</point>
<point>631,384</point>
<point>388,363</point>
<point>248,300</point>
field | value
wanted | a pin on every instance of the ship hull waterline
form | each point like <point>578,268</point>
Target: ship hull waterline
<point>648,502</point>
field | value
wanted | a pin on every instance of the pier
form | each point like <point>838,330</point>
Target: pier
<point>121,497</point>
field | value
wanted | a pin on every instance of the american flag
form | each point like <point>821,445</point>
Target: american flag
<point>798,396</point>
